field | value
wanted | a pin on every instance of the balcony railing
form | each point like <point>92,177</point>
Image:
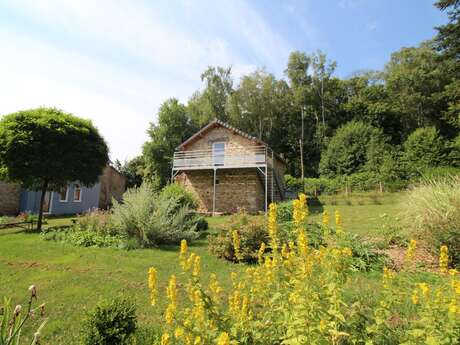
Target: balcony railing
<point>252,156</point>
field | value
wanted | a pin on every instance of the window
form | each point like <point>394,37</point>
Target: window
<point>218,153</point>
<point>77,193</point>
<point>64,194</point>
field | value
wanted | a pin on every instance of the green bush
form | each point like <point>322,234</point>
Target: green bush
<point>98,221</point>
<point>424,148</point>
<point>355,147</point>
<point>432,214</point>
<point>154,220</point>
<point>284,211</point>
<point>110,323</point>
<point>177,192</point>
<point>82,238</point>
<point>252,233</point>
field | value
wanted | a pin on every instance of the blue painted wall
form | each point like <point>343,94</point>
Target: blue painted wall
<point>30,201</point>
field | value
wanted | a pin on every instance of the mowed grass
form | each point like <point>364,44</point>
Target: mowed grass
<point>71,280</point>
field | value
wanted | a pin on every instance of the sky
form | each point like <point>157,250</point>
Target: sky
<point>116,61</point>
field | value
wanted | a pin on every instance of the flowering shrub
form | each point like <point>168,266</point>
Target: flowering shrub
<point>246,233</point>
<point>298,295</point>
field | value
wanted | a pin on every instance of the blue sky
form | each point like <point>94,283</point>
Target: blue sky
<point>115,62</point>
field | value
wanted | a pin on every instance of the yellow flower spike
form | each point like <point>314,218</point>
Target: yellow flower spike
<point>171,290</point>
<point>169,313</point>
<point>302,243</point>
<point>284,251</point>
<point>338,223</point>
<point>388,275</point>
<point>198,340</point>
<point>414,297</point>
<point>411,250</point>
<point>189,262</point>
<point>261,252</point>
<point>165,339</point>
<point>153,276</point>
<point>223,339</point>
<point>236,245</point>
<point>424,288</point>
<point>273,228</point>
<point>183,247</point>
<point>179,333</point>
<point>216,290</point>
<point>444,259</point>
<point>326,218</point>
<point>322,325</point>
<point>196,266</point>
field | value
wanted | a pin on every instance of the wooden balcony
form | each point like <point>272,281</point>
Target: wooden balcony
<point>247,157</point>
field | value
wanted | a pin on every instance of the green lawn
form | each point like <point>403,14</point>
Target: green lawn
<point>72,279</point>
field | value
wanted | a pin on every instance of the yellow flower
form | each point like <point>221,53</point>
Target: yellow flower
<point>171,290</point>
<point>411,250</point>
<point>338,223</point>
<point>236,245</point>
<point>196,266</point>
<point>273,228</point>
<point>444,259</point>
<point>347,251</point>
<point>322,325</point>
<point>388,275</point>
<point>183,247</point>
<point>325,218</point>
<point>223,339</point>
<point>153,285</point>
<point>198,340</point>
<point>165,339</point>
<point>179,333</point>
<point>302,243</point>
<point>169,313</point>
<point>424,288</point>
<point>414,297</point>
<point>214,287</point>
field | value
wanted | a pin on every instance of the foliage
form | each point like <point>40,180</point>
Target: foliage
<point>432,213</point>
<point>133,170</point>
<point>299,295</point>
<point>352,149</point>
<point>82,238</point>
<point>45,148</point>
<point>179,193</point>
<point>111,322</point>
<point>13,321</point>
<point>153,220</point>
<point>174,126</point>
<point>251,233</point>
<point>424,148</point>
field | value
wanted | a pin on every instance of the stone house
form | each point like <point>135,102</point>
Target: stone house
<point>227,169</point>
<point>74,198</point>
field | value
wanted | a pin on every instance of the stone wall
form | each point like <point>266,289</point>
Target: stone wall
<point>234,141</point>
<point>10,194</point>
<point>113,185</point>
<point>235,188</point>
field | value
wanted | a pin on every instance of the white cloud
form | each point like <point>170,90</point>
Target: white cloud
<point>116,62</point>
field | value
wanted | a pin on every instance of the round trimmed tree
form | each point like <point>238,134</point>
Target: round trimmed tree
<point>45,149</point>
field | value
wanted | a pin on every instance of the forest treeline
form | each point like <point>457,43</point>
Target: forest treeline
<point>392,123</point>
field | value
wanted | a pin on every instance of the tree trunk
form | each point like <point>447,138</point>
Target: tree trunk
<point>42,200</point>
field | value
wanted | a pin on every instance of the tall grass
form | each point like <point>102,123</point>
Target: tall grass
<point>432,213</point>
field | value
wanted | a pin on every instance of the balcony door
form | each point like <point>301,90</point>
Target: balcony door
<point>218,153</point>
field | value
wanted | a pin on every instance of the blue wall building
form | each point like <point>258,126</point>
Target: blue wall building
<point>74,199</point>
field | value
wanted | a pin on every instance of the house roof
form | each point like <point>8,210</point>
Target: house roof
<point>216,123</point>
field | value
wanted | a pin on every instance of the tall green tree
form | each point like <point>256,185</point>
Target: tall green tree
<point>211,102</point>
<point>174,126</point>
<point>45,149</point>
<point>448,38</point>
<point>416,81</point>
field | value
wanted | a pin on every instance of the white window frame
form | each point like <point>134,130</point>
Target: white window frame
<point>75,189</point>
<point>221,154</point>
<point>66,195</point>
